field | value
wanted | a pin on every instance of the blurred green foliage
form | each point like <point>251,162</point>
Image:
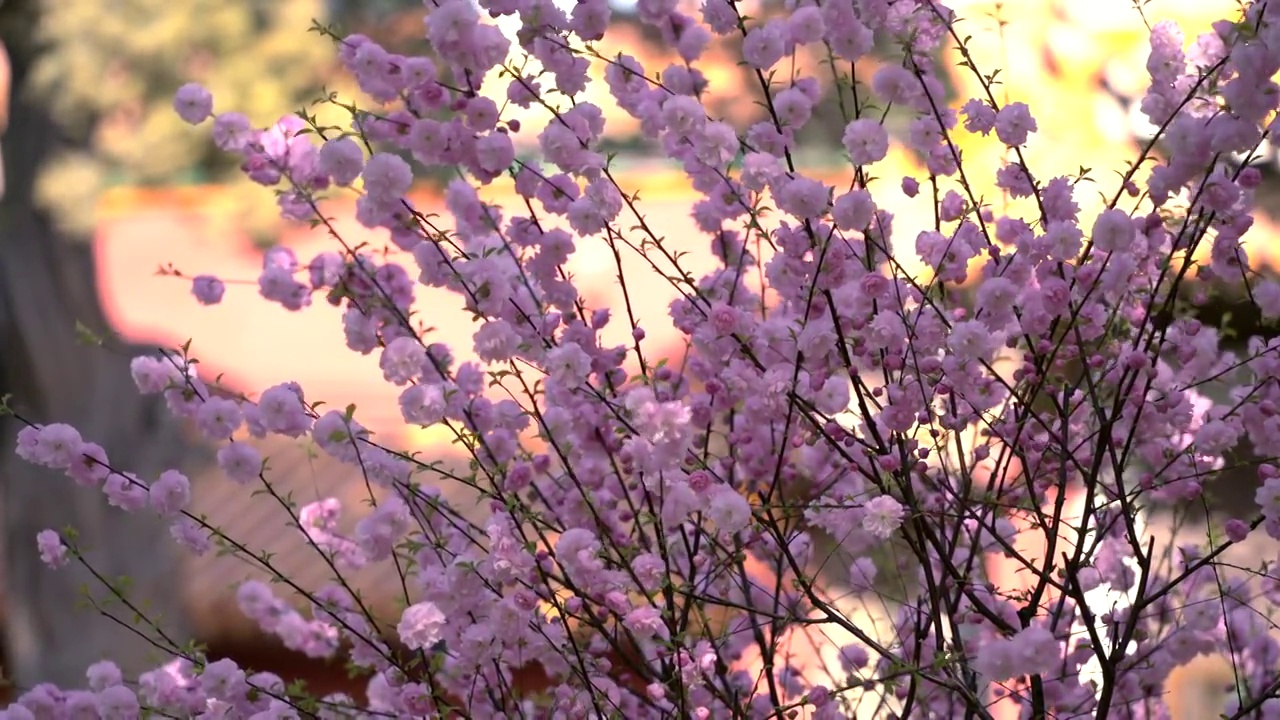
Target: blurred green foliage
<point>108,70</point>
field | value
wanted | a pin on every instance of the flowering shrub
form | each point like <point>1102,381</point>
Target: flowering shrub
<point>654,540</point>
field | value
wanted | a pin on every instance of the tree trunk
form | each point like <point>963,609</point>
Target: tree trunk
<point>47,285</point>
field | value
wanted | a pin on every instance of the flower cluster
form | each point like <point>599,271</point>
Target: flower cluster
<point>654,537</point>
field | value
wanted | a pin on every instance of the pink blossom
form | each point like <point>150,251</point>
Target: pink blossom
<point>54,446</point>
<point>765,45</point>
<point>103,674</point>
<point>420,626</point>
<point>804,198</point>
<point>219,418</point>
<point>52,552</point>
<point>895,84</point>
<point>342,159</point>
<point>402,360</point>
<point>883,515</point>
<point>854,210</point>
<point>423,404</point>
<point>646,622</point>
<point>240,461</point>
<point>980,117</point>
<point>208,289</point>
<point>793,107</point>
<point>283,411</point>
<point>126,491</point>
<point>386,177</point>
<point>170,493</point>
<point>189,534</point>
<point>728,510</point>
<point>118,703</point>
<point>1014,124</point>
<point>806,25</point>
<point>866,141</point>
<point>193,103</point>
<point>811,393</point>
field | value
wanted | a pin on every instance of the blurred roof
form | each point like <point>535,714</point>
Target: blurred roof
<point>301,473</point>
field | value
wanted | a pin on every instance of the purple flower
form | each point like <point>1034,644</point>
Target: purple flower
<point>208,289</point>
<point>52,552</point>
<point>866,141</point>
<point>193,103</point>
<point>342,159</point>
<point>420,626</point>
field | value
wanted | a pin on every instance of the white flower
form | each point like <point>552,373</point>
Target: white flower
<point>883,516</point>
<point>420,625</point>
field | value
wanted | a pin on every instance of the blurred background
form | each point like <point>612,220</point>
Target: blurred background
<point>105,186</point>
